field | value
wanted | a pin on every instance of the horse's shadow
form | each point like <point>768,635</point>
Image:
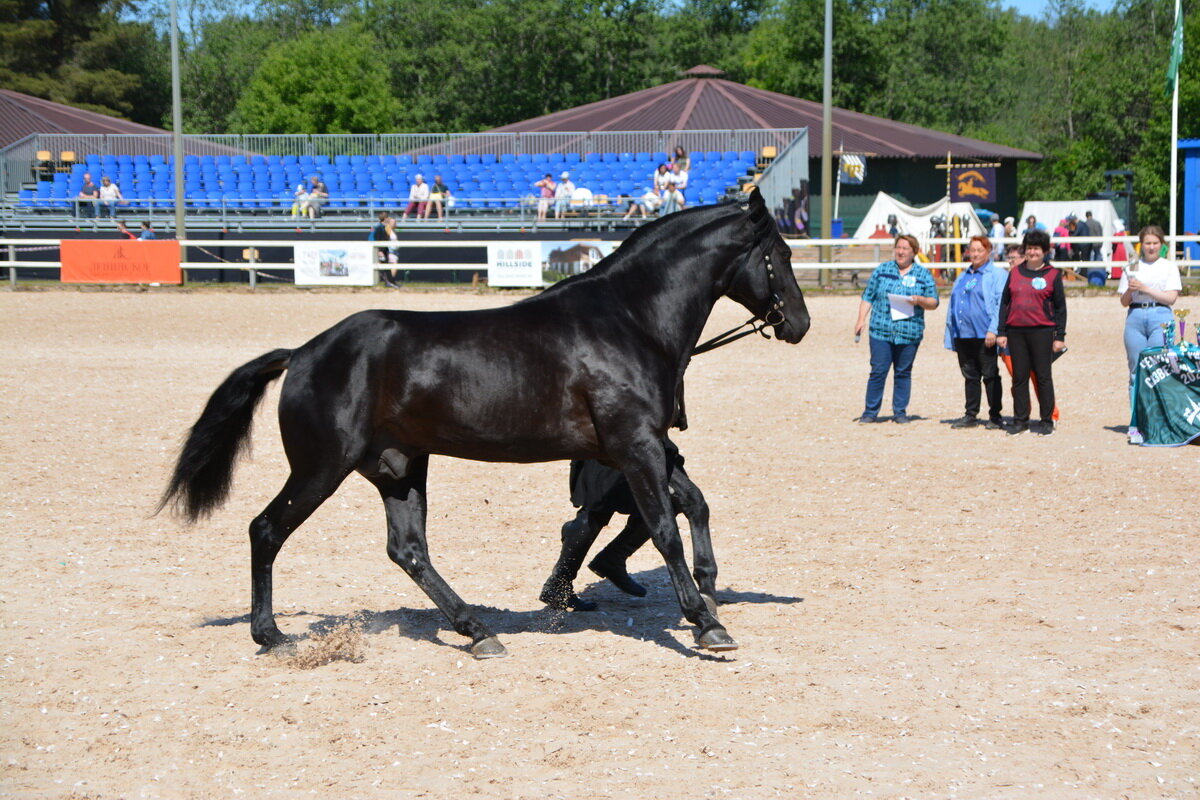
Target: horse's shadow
<point>655,618</point>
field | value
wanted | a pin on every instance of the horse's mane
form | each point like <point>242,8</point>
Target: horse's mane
<point>666,231</point>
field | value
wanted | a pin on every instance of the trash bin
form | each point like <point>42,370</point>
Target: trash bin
<point>835,229</point>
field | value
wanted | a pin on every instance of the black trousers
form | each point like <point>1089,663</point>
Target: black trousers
<point>979,367</point>
<point>1032,349</point>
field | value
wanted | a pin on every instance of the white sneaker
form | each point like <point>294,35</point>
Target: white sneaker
<point>1135,436</point>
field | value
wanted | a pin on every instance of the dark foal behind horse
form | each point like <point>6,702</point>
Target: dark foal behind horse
<point>585,370</point>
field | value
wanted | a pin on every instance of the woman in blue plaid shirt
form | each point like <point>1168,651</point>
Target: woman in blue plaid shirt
<point>895,335</point>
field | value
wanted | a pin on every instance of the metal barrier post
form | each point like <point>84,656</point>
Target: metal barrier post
<point>253,271</point>
<point>12,271</point>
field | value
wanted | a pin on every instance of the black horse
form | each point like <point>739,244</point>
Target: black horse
<point>585,370</point>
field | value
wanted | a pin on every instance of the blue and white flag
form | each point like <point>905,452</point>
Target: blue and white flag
<point>852,169</point>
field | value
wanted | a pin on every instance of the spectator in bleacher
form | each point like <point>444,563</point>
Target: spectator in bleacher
<point>318,195</point>
<point>85,201</point>
<point>545,187</point>
<point>110,195</point>
<point>300,198</point>
<point>439,192</point>
<point>661,176</point>
<point>146,234</point>
<point>680,159</point>
<point>680,176</point>
<point>672,200</point>
<point>647,204</point>
<point>562,195</point>
<point>418,198</point>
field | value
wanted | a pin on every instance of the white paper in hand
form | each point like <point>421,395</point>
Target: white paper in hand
<point>902,306</point>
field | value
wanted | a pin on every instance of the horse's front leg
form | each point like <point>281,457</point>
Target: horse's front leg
<point>645,468</point>
<point>689,501</point>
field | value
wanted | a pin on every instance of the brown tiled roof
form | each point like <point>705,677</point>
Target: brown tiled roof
<point>22,115</point>
<point>705,100</point>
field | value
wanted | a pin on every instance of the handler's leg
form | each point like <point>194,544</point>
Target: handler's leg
<point>577,536</point>
<point>609,563</point>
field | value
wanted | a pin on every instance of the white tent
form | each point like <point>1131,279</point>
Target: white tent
<point>916,221</point>
<point>1050,212</point>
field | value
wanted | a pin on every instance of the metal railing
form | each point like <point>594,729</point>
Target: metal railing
<point>802,251</point>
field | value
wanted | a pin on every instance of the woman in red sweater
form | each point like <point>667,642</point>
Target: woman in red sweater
<point>1033,326</point>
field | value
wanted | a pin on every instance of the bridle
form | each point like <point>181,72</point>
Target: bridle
<point>757,323</point>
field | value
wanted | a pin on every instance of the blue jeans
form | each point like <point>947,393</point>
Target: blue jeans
<point>897,357</point>
<point>1142,330</point>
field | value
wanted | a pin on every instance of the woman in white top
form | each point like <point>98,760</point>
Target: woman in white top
<point>1148,289</point>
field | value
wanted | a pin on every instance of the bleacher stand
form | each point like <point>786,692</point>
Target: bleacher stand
<point>485,183</point>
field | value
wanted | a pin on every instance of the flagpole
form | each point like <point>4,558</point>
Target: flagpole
<point>1171,230</point>
<point>837,192</point>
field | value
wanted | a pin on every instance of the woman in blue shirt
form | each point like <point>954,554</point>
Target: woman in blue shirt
<point>971,325</point>
<point>897,326</point>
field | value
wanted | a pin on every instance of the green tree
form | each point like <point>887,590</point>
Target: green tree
<point>326,81</point>
<point>218,68</point>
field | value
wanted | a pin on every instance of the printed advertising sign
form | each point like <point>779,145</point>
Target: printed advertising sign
<point>515,264</point>
<point>335,264</point>
<point>120,261</point>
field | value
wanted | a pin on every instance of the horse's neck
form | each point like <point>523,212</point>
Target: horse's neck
<point>679,294</point>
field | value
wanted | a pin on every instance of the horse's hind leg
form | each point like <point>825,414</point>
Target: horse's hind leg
<point>299,498</point>
<point>404,500</point>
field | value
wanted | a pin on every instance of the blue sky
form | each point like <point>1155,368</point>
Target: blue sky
<point>1037,8</point>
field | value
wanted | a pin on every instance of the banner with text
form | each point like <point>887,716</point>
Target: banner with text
<point>335,264</point>
<point>515,264</point>
<point>973,185</point>
<point>120,261</point>
<point>1166,396</point>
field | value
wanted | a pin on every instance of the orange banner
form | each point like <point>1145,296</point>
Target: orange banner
<point>120,261</point>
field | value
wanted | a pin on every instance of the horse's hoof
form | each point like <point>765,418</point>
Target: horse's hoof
<point>272,639</point>
<point>488,648</point>
<point>710,602</point>
<point>716,638</point>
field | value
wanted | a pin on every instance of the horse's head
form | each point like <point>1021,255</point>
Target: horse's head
<point>764,281</point>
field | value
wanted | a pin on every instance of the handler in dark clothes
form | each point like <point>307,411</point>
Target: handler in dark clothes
<point>1033,326</point>
<point>600,492</point>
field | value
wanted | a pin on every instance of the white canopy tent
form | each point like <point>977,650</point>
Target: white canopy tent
<point>916,221</point>
<point>1050,212</point>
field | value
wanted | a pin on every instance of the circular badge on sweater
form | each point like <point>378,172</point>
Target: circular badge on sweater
<point>909,280</point>
<point>1039,283</point>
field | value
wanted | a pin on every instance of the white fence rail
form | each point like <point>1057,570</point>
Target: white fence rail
<point>801,250</point>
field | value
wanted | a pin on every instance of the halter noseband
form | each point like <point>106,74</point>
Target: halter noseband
<point>757,323</point>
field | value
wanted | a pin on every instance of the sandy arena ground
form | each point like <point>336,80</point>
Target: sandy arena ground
<point>922,612</point>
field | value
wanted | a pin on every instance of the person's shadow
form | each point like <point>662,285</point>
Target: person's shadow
<point>655,618</point>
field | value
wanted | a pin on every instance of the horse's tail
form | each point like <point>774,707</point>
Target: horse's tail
<point>204,471</point>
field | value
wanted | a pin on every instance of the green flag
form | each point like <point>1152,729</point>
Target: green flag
<point>1176,49</point>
